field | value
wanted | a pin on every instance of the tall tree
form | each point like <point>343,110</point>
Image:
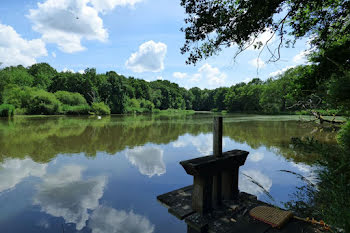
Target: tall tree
<point>43,74</point>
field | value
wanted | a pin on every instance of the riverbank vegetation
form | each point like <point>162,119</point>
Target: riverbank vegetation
<point>329,198</point>
<point>40,89</point>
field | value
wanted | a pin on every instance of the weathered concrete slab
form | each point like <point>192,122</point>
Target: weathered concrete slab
<point>231,217</point>
<point>178,202</point>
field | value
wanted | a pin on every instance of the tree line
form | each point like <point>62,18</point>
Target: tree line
<point>40,89</point>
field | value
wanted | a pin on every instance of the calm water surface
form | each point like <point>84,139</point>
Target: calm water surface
<point>81,174</point>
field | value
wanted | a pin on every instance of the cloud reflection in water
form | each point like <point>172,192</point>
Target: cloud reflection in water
<point>149,160</point>
<point>246,185</point>
<point>256,156</point>
<point>13,171</point>
<point>65,194</point>
<point>109,220</point>
<point>202,142</point>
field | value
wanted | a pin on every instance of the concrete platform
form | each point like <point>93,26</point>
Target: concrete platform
<point>230,217</point>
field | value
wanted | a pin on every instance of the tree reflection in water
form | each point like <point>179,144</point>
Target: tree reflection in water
<point>43,138</point>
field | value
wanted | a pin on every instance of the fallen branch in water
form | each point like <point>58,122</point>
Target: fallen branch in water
<point>322,119</point>
<point>313,102</point>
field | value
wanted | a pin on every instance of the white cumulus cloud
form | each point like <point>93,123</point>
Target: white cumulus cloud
<point>213,75</point>
<point>257,62</point>
<point>66,194</point>
<point>180,75</point>
<point>13,171</point>
<point>301,58</point>
<point>149,57</point>
<point>206,77</point>
<point>67,22</point>
<point>106,5</point>
<point>66,70</point>
<point>265,37</point>
<point>281,71</point>
<point>247,80</point>
<point>149,160</point>
<point>106,219</point>
<point>14,50</point>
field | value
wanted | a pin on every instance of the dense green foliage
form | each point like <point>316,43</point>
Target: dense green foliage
<point>139,106</point>
<point>70,99</point>
<point>42,102</point>
<point>7,110</point>
<point>84,109</point>
<point>100,108</point>
<point>344,136</point>
<point>74,93</point>
<point>55,92</point>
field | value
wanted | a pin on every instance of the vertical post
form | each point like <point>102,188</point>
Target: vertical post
<point>217,151</point>
<point>217,136</point>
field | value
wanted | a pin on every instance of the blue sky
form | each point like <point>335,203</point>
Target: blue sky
<point>139,38</point>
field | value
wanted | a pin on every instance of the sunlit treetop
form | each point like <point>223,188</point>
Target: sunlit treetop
<point>213,24</point>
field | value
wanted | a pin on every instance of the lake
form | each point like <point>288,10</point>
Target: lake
<point>83,174</point>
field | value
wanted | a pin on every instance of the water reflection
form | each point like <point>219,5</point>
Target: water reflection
<point>202,142</point>
<point>306,171</point>
<point>46,148</point>
<point>256,156</point>
<point>13,171</point>
<point>181,142</point>
<point>246,184</point>
<point>108,220</point>
<point>43,138</point>
<point>44,223</point>
<point>66,194</point>
<point>149,160</point>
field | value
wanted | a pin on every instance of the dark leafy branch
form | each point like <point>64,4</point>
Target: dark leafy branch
<point>213,24</point>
